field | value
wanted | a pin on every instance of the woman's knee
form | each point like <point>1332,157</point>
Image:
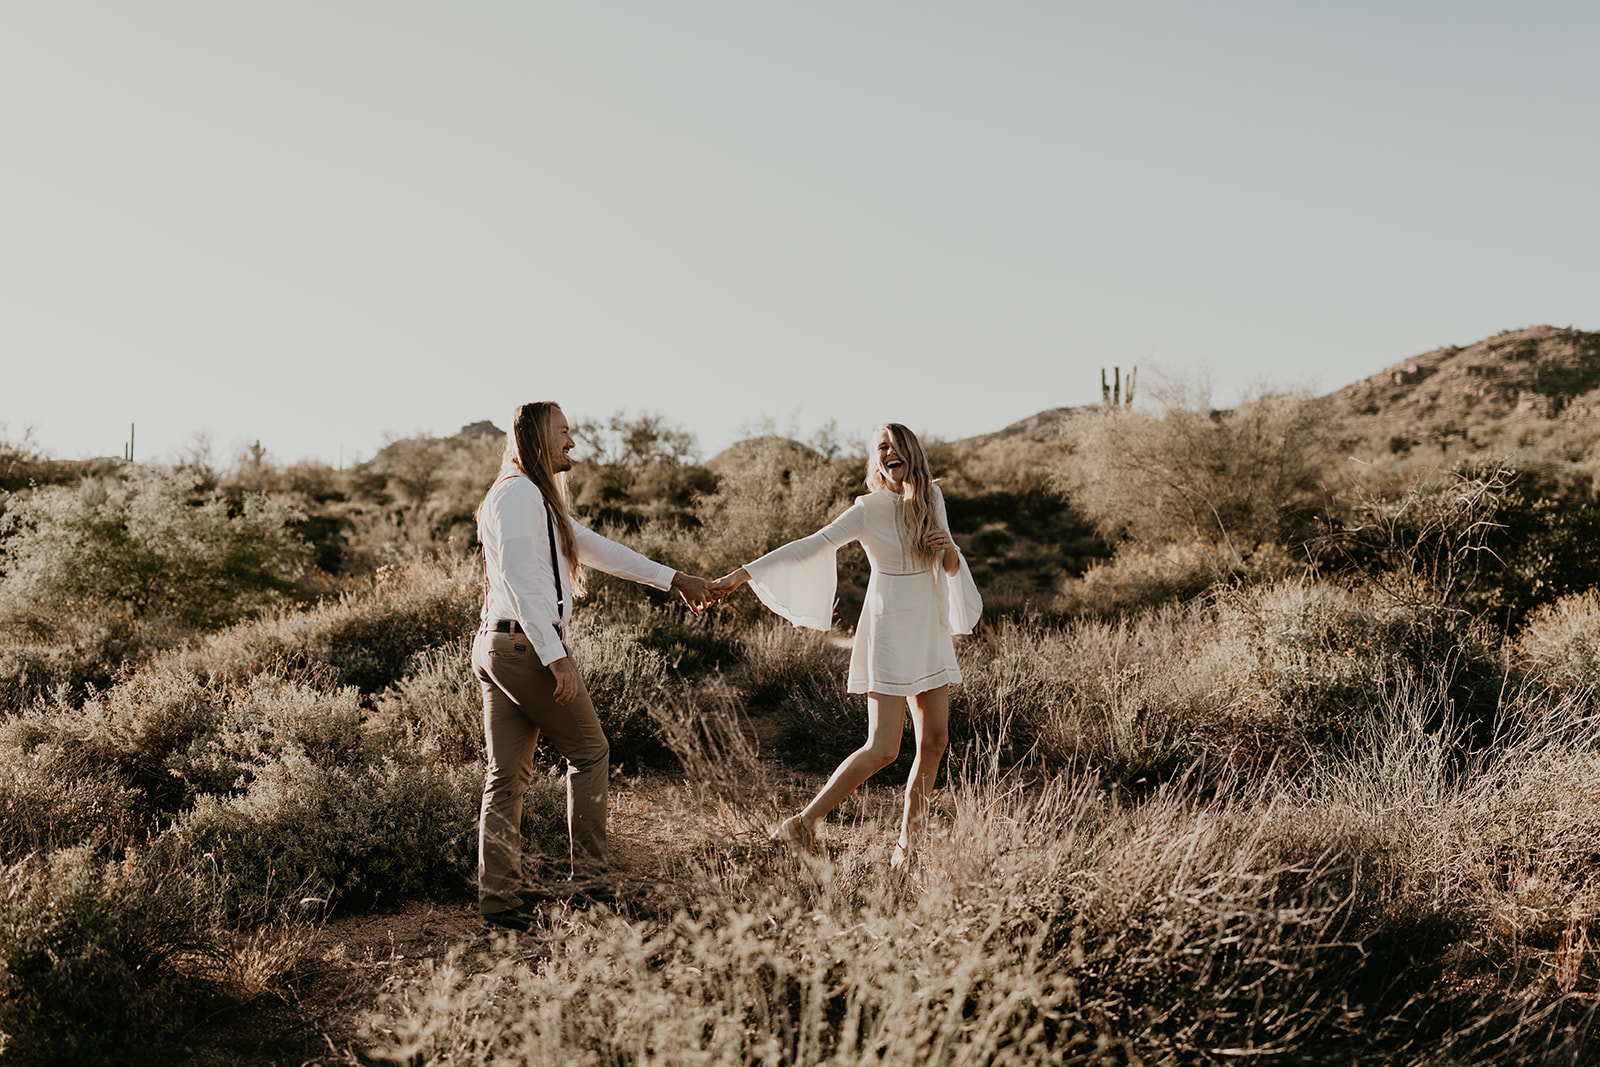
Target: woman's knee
<point>880,755</point>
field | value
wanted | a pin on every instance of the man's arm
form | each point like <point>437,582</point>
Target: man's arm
<point>604,554</point>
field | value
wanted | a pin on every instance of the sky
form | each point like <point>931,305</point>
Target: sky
<point>323,225</point>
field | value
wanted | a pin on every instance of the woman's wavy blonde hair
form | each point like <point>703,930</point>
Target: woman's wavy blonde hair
<point>918,491</point>
<point>528,449</point>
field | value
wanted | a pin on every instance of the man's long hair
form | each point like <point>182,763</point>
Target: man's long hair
<point>528,449</point>
<point>918,489</point>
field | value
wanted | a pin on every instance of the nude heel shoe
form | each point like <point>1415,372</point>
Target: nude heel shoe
<point>794,833</point>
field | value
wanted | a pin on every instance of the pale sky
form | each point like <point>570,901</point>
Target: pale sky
<point>320,223</point>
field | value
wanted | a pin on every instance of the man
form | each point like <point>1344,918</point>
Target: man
<point>532,550</point>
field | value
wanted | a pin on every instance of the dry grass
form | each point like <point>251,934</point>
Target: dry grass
<point>1387,908</point>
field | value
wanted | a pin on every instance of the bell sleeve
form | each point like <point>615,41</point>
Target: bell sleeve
<point>799,579</point>
<point>960,604</point>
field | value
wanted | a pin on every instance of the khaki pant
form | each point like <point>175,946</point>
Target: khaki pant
<point>519,703</point>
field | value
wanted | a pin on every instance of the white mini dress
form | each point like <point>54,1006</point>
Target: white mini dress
<point>903,642</point>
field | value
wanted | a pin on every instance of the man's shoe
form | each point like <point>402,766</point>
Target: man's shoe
<point>610,891</point>
<point>518,918</point>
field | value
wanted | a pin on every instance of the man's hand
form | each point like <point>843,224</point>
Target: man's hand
<point>696,592</point>
<point>566,680</point>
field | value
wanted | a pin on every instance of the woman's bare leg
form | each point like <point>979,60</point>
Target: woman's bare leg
<point>930,718</point>
<point>885,720</point>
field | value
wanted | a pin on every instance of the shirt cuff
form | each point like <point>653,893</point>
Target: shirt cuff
<point>550,649</point>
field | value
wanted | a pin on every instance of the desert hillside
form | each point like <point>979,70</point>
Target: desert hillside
<point>1518,389</point>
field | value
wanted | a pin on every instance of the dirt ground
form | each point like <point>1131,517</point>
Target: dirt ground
<point>315,1018</point>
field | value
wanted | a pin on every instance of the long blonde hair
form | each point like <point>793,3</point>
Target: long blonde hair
<point>528,449</point>
<point>917,492</point>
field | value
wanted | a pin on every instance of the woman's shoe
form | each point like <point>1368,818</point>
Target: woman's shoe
<point>794,833</point>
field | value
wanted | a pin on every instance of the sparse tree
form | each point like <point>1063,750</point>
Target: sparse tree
<point>150,546</point>
<point>642,462</point>
<point>1236,478</point>
<point>414,464</point>
<point>776,491</point>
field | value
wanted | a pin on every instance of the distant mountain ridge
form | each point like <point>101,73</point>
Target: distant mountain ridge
<point>1540,372</point>
<point>1493,393</point>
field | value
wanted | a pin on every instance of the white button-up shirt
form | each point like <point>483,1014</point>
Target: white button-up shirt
<point>516,547</point>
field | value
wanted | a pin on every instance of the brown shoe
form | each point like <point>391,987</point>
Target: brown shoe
<point>518,918</point>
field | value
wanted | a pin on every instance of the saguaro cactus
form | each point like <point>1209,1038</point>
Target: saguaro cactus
<point>1111,392</point>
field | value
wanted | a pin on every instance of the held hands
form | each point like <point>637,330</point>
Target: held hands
<point>700,594</point>
<point>723,587</point>
<point>695,591</point>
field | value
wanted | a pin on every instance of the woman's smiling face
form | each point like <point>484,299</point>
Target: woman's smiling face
<point>891,464</point>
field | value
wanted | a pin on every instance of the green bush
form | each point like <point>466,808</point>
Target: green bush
<point>304,837</point>
<point>146,547</point>
<point>103,963</point>
<point>54,796</point>
<point>365,638</point>
<point>439,701</point>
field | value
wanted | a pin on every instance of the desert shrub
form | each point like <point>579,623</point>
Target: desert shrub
<point>624,679</point>
<point>690,646</point>
<point>440,701</point>
<point>797,677</point>
<point>1142,576</point>
<point>365,638</point>
<point>133,728</point>
<point>1544,544</point>
<point>53,796</point>
<point>1560,645</point>
<point>776,491</point>
<point>102,962</point>
<point>1119,699</point>
<point>1235,478</point>
<point>304,835</point>
<point>1490,536</point>
<point>635,470</point>
<point>1306,658</point>
<point>144,547</point>
<point>30,674</point>
<point>1305,921</point>
<point>263,721</point>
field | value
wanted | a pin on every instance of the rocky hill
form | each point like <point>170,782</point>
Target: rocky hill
<point>1518,389</point>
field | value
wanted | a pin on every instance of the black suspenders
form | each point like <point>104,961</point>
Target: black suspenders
<point>555,565</point>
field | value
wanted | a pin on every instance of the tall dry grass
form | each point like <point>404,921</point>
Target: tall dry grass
<point>1382,908</point>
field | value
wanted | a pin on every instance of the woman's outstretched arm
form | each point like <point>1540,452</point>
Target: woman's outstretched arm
<point>721,588</point>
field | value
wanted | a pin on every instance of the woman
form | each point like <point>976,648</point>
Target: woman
<point>920,594</point>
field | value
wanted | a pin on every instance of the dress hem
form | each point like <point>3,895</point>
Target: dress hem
<point>949,676</point>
